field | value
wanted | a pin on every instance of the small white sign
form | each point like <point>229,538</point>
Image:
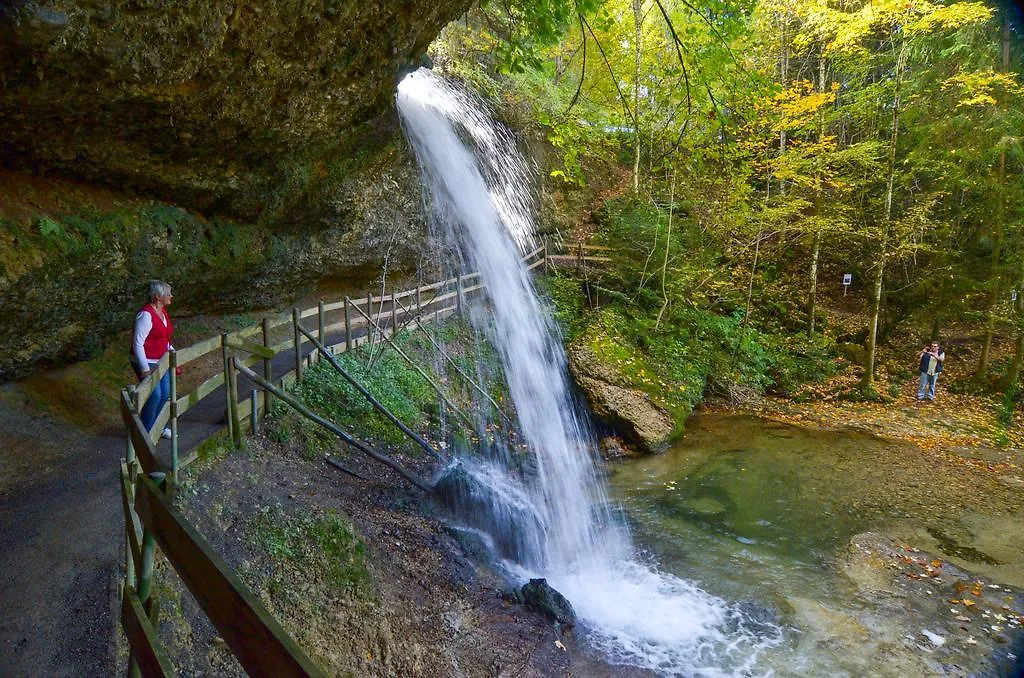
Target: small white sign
<point>1013,295</point>
<point>847,278</point>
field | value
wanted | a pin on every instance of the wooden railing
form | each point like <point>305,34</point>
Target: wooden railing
<point>577,255</point>
<point>148,484</point>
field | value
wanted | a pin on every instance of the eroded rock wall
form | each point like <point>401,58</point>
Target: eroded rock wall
<point>74,259</point>
<point>241,151</point>
<point>240,108</point>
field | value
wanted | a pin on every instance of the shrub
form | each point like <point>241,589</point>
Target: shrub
<point>389,379</point>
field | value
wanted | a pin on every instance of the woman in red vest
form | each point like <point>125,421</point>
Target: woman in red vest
<point>150,341</point>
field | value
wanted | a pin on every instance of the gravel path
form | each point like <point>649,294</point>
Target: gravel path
<point>60,540</point>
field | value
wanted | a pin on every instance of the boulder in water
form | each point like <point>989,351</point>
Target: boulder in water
<point>629,411</point>
<point>539,596</point>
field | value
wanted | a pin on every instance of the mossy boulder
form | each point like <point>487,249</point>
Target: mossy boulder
<point>628,410</point>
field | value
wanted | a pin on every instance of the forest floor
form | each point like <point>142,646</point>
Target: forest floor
<point>424,605</point>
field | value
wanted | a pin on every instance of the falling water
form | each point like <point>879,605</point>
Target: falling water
<point>478,185</point>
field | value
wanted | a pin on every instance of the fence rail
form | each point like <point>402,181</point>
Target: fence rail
<point>147,483</point>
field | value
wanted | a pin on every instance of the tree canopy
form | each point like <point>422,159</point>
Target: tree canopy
<point>786,140</point>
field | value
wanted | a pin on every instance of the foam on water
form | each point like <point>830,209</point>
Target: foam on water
<point>481,203</point>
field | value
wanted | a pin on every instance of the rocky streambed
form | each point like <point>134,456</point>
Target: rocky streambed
<point>879,557</point>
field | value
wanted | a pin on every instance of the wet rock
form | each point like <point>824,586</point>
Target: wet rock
<point>612,449</point>
<point>491,503</point>
<point>538,595</point>
<point>514,595</point>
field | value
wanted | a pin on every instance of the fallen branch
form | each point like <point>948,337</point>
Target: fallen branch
<point>341,467</point>
<point>332,427</point>
<point>373,401</point>
<point>437,389</point>
<point>444,354</point>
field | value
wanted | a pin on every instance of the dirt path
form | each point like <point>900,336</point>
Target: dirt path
<point>60,542</point>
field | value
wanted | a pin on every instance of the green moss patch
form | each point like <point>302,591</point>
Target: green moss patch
<point>311,545</point>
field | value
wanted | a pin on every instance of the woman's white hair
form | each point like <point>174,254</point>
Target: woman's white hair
<point>158,288</point>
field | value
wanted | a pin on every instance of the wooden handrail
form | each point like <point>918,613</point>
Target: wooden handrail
<point>142,637</point>
<point>254,636</point>
<point>335,429</point>
<point>139,437</point>
<point>200,349</point>
<point>412,435</point>
<point>437,389</point>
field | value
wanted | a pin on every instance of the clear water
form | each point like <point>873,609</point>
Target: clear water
<point>756,511</point>
<point>478,188</point>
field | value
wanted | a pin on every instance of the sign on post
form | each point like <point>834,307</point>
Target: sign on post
<point>847,280</point>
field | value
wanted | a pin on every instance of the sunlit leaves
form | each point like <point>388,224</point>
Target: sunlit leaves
<point>983,88</point>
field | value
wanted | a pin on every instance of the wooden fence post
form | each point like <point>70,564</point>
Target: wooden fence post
<point>129,448</point>
<point>458,295</point>
<point>369,314</point>
<point>128,489</point>
<point>253,419</point>
<point>172,367</point>
<point>348,326</point>
<point>298,345</point>
<point>419,303</point>
<point>227,382</point>
<point>232,386</point>
<point>267,368</point>
<point>144,575</point>
<point>394,314</point>
<point>321,318</point>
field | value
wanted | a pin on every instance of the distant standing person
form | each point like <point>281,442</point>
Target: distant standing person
<point>932,358</point>
<point>150,341</point>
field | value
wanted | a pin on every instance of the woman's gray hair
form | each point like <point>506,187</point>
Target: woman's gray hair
<point>158,288</point>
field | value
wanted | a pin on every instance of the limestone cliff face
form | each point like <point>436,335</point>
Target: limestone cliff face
<point>242,151</point>
<point>241,108</point>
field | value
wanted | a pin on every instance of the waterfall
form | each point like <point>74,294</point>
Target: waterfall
<point>478,190</point>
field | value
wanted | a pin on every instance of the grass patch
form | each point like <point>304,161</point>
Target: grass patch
<point>317,545</point>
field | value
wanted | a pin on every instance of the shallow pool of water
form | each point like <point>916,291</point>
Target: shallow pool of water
<point>764,512</point>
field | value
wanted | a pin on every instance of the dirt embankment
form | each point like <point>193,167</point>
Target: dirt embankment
<point>412,600</point>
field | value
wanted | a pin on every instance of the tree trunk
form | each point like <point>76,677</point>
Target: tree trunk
<point>638,21</point>
<point>868,381</point>
<point>783,79</point>
<point>1013,374</point>
<point>812,297</point>
<point>757,253</point>
<point>668,243</point>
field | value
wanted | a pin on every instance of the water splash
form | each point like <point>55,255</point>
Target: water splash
<point>478,186</point>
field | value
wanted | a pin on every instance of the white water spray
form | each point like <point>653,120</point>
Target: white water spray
<point>480,199</point>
